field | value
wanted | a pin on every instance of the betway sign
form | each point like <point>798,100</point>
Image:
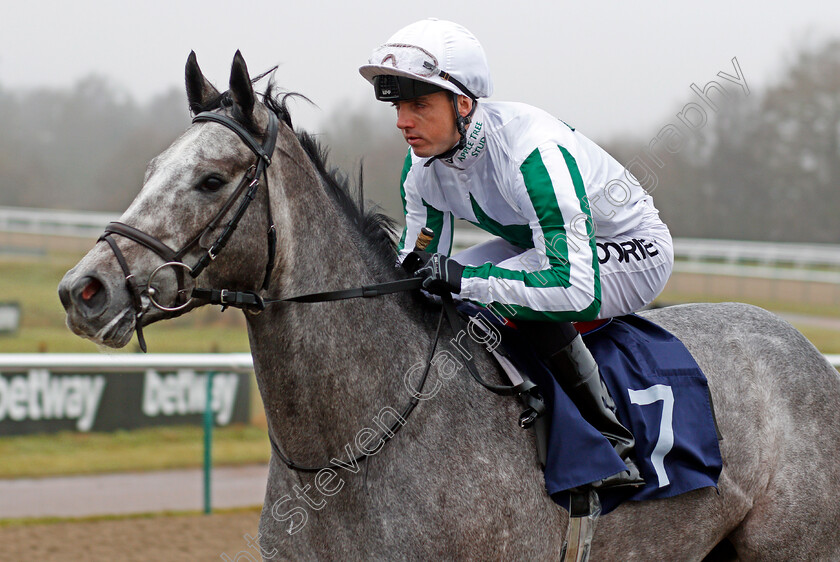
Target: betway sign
<point>186,393</point>
<point>39,396</point>
<point>48,397</point>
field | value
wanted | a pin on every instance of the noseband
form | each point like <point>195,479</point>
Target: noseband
<point>248,186</point>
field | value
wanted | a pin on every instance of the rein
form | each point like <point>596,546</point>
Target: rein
<point>526,390</point>
<point>252,301</point>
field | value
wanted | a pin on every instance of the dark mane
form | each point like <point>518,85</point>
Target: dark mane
<point>373,226</point>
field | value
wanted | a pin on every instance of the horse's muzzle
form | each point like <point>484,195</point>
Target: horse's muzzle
<point>95,308</point>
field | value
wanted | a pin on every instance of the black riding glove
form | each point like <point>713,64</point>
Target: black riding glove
<point>415,260</point>
<point>441,275</point>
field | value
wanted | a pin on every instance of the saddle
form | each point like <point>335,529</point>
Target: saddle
<point>661,395</point>
<point>532,415</point>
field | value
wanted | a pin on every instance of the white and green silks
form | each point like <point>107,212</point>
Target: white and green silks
<point>554,196</point>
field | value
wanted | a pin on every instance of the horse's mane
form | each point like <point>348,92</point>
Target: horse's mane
<point>374,227</point>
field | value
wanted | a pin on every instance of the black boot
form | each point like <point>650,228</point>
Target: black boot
<point>575,370</point>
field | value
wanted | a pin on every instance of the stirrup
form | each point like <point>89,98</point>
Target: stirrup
<point>630,479</point>
<point>584,511</point>
<point>528,417</point>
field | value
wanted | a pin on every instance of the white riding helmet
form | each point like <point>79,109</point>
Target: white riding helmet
<point>437,52</point>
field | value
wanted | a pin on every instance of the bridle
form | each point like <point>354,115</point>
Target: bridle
<point>245,192</point>
<point>526,390</point>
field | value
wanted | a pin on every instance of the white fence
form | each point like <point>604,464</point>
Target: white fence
<point>81,224</point>
<point>125,362</point>
<point>799,255</point>
<point>737,258</point>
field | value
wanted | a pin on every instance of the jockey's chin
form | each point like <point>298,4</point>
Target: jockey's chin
<point>425,149</point>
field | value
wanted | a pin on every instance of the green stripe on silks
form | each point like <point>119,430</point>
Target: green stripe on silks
<point>434,220</point>
<point>536,279</point>
<point>448,251</point>
<point>406,168</point>
<point>580,191</point>
<point>517,234</point>
<point>516,312</point>
<point>541,192</point>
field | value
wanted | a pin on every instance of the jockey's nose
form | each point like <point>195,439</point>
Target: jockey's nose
<point>404,120</point>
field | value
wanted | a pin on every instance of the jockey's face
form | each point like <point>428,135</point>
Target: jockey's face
<point>428,122</point>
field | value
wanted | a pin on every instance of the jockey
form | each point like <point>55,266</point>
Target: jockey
<point>577,237</point>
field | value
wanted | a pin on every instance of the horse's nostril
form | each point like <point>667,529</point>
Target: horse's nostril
<point>90,296</point>
<point>91,289</point>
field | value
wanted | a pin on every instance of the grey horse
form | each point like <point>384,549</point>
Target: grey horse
<point>460,480</point>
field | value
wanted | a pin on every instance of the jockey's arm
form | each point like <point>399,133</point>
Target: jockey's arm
<point>558,279</point>
<point>418,213</point>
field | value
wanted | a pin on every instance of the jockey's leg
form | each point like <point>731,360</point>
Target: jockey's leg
<point>633,270</point>
<point>493,251</point>
<point>562,349</point>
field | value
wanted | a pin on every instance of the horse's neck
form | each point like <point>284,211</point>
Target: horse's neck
<point>325,369</point>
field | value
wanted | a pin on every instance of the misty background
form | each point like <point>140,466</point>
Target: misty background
<point>81,112</point>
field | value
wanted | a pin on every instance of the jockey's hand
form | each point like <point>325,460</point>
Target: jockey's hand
<point>441,275</point>
<point>415,260</point>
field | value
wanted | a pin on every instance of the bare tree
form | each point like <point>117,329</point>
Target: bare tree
<point>85,148</point>
<point>765,167</point>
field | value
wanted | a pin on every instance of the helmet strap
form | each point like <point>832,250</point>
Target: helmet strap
<point>461,123</point>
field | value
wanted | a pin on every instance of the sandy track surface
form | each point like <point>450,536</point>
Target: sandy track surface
<point>159,538</point>
<point>164,538</point>
<point>126,493</point>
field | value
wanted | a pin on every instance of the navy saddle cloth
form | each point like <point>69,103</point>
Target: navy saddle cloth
<point>660,394</point>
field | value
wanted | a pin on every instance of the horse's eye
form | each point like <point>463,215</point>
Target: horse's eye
<point>212,183</point>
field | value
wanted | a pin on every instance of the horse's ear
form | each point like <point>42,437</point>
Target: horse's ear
<point>199,90</point>
<point>240,84</point>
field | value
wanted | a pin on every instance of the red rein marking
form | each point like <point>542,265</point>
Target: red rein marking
<point>91,289</point>
<point>586,327</point>
<point>583,328</point>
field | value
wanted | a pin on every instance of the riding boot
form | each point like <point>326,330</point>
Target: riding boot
<point>575,370</point>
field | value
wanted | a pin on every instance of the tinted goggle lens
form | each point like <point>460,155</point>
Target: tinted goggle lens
<point>394,88</point>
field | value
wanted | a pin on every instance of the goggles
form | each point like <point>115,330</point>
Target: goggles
<point>397,88</point>
<point>408,58</point>
<point>415,61</point>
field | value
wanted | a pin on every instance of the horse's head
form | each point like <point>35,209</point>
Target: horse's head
<point>191,193</point>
